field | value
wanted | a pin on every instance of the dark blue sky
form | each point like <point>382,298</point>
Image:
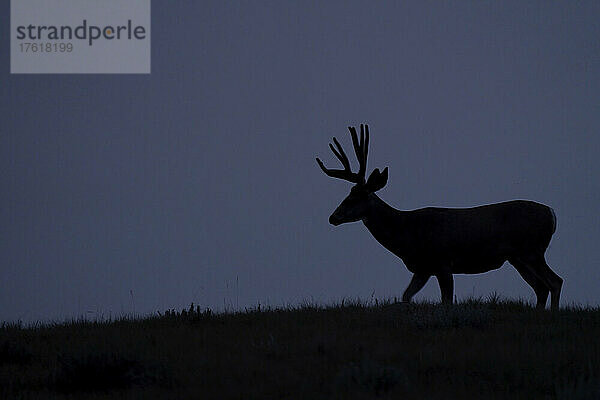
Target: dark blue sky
<point>197,183</point>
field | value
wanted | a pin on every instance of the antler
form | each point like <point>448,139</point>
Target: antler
<point>360,148</point>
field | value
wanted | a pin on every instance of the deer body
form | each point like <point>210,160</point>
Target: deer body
<point>461,240</point>
<point>441,242</point>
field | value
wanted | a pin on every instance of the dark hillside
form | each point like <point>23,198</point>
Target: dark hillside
<point>494,350</point>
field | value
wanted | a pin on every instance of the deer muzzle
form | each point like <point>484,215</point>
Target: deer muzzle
<point>333,220</point>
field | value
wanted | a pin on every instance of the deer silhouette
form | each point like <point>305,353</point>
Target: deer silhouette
<point>441,242</point>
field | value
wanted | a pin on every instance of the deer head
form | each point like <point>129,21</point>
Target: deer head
<point>355,205</point>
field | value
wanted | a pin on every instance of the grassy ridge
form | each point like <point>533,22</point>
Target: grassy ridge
<point>492,349</point>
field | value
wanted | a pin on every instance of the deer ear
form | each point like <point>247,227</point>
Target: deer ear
<point>377,180</point>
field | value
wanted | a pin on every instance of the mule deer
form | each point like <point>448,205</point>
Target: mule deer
<point>441,242</point>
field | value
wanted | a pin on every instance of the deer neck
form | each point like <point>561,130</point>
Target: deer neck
<point>384,221</point>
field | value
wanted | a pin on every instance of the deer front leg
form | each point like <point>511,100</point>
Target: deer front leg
<point>446,282</point>
<point>416,284</point>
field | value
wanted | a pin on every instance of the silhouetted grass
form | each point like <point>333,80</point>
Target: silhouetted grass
<point>492,349</point>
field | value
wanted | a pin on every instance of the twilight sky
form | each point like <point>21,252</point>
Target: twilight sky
<point>197,183</point>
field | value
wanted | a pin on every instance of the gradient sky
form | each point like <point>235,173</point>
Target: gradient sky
<point>197,183</point>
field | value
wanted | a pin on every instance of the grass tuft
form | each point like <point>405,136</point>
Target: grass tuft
<point>471,315</point>
<point>370,377</point>
<point>12,352</point>
<point>97,372</point>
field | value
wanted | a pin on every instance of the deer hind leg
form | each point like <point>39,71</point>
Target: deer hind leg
<point>539,287</point>
<point>555,283</point>
<point>417,282</point>
<point>446,282</point>
<point>538,266</point>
